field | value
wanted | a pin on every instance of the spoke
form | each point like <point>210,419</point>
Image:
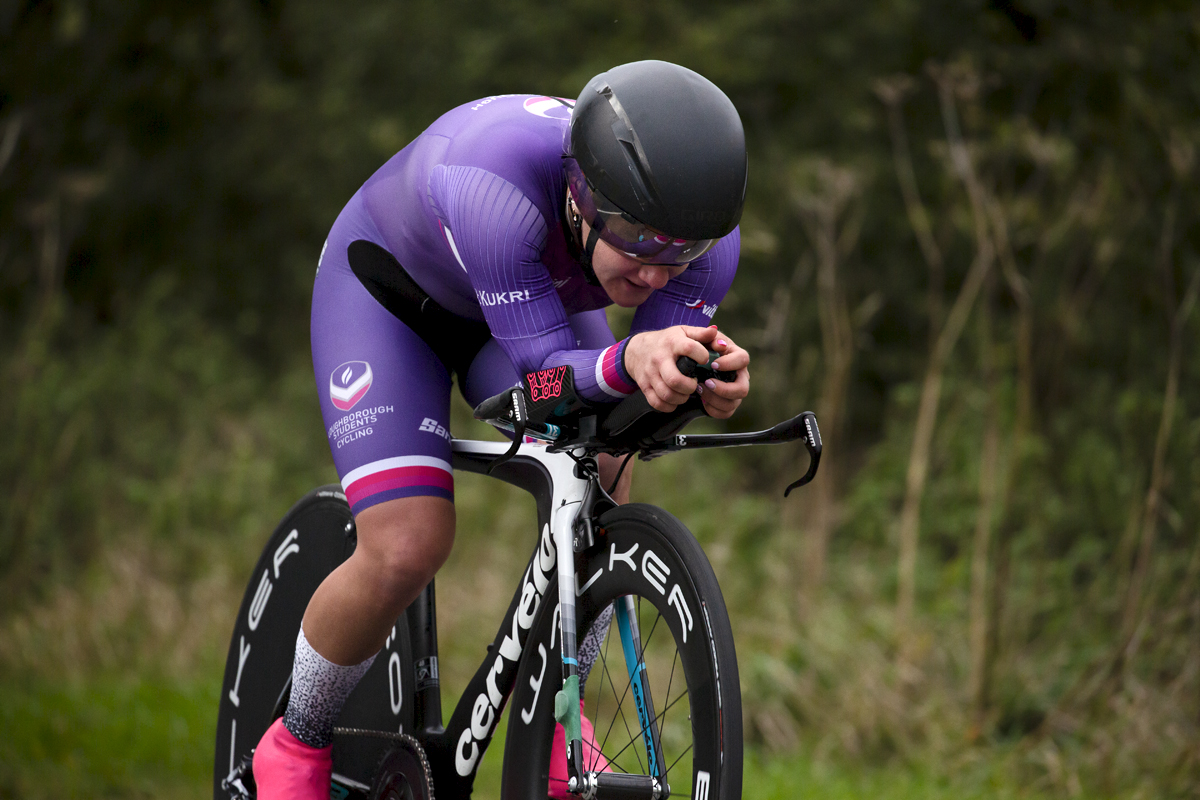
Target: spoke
<point>634,737</point>
<point>617,767</point>
<point>662,718</point>
<point>592,746</point>
<point>625,721</point>
<point>620,704</point>
<point>620,712</point>
<point>676,761</point>
<point>603,672</point>
<point>600,697</point>
<point>653,628</point>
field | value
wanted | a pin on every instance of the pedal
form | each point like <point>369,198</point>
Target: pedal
<point>343,788</point>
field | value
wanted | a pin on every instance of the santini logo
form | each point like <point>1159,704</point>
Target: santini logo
<point>699,305</point>
<point>349,383</point>
<point>431,426</point>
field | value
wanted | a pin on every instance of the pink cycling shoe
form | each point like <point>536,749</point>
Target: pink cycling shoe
<point>593,759</point>
<point>285,768</point>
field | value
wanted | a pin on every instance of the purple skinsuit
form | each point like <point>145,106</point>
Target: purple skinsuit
<point>471,209</point>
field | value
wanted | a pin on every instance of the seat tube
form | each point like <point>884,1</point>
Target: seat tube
<point>427,695</point>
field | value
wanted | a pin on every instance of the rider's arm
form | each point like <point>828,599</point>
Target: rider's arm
<point>499,236</point>
<point>692,296</point>
<point>674,320</point>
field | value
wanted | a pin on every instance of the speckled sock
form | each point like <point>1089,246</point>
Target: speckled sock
<point>319,690</point>
<point>589,648</point>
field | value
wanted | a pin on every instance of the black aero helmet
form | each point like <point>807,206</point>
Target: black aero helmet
<point>657,161</point>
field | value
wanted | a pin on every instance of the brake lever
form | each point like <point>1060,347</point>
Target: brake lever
<point>812,443</point>
<point>519,417</point>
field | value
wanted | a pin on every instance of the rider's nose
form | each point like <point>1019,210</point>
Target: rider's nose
<point>655,277</point>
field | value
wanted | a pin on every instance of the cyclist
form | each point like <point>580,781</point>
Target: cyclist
<point>489,247</point>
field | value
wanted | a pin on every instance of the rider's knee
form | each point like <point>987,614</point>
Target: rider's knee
<point>404,542</point>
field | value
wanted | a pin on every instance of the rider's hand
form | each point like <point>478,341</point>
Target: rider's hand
<point>721,399</point>
<point>650,360</point>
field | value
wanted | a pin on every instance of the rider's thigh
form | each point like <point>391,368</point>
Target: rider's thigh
<point>385,396</point>
<point>404,542</point>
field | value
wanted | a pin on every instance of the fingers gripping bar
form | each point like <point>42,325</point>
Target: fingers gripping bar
<point>636,406</point>
<point>633,425</point>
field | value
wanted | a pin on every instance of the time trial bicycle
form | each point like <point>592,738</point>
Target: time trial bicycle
<point>661,685</point>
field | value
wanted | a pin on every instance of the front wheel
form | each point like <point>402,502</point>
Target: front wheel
<point>678,719</point>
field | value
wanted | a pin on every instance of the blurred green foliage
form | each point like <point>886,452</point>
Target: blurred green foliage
<point>167,175</point>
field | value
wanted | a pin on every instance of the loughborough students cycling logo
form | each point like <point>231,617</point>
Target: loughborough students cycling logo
<point>349,383</point>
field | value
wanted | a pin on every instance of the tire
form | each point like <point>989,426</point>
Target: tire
<point>314,538</point>
<point>685,632</point>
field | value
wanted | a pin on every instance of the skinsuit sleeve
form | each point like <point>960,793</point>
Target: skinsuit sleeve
<point>498,235</point>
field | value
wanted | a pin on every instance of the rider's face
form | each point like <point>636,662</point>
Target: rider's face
<point>628,281</point>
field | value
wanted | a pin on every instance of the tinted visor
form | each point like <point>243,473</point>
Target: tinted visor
<point>623,231</point>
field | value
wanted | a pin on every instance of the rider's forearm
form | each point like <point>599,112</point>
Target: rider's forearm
<point>600,375</point>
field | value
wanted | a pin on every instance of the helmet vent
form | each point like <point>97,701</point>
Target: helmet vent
<point>644,185</point>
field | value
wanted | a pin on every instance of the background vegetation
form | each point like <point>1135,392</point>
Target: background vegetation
<point>971,245</point>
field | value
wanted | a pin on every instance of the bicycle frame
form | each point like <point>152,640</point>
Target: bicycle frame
<point>562,474</point>
<point>561,495</point>
<point>567,500</point>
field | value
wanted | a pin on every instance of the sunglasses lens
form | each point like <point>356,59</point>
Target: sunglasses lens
<point>625,233</point>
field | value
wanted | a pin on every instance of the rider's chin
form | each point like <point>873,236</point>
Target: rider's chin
<point>638,291</point>
<point>628,295</point>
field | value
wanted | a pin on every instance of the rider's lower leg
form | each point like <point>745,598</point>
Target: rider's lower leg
<point>401,544</point>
